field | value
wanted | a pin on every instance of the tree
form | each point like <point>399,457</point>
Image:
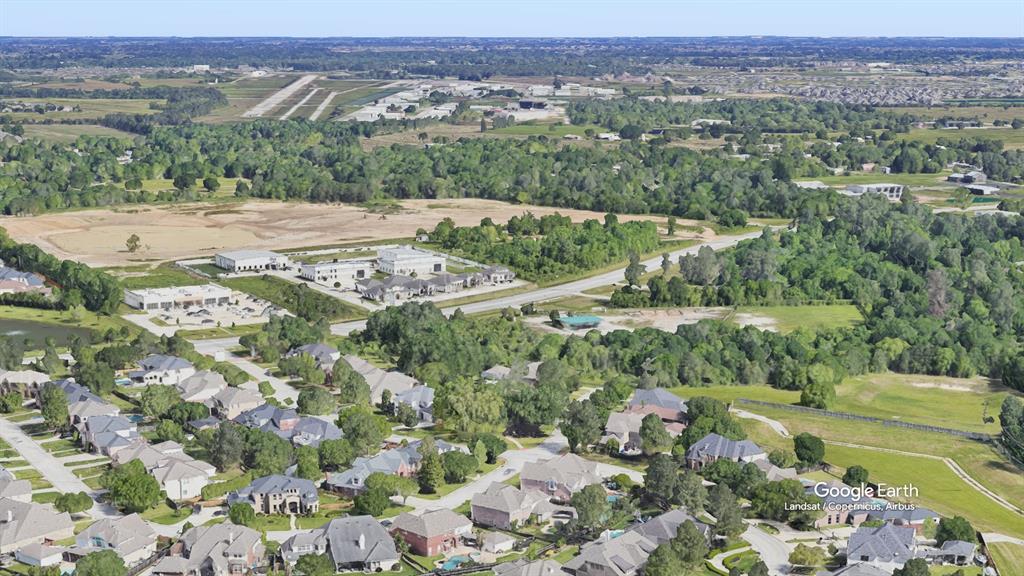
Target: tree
<point>666,263</point>
<point>804,555</point>
<point>304,367</point>
<point>364,430</point>
<point>315,565</point>
<point>654,437</point>
<point>133,243</point>
<point>54,406</point>
<point>810,450</point>
<point>431,472</point>
<point>480,453</point>
<point>169,430</point>
<point>664,562</point>
<point>157,400</point>
<point>962,198</point>
<point>211,184</point>
<point>335,454</point>
<point>855,476</point>
<point>782,458</point>
<point>407,415</point>
<point>10,402</point>
<point>496,446</point>
<point>955,528</point>
<point>690,491</point>
<point>73,503</point>
<point>671,226</point>
<point>689,544</point>
<point>315,401</point>
<point>307,463</point>
<point>266,453</point>
<point>242,514</point>
<point>820,395</point>
<point>102,563</point>
<point>913,567</point>
<point>226,447</point>
<point>723,506</point>
<point>469,407</point>
<point>130,487</point>
<point>581,425</point>
<point>634,270</point>
<point>352,386</point>
<point>458,466</point>
<point>372,501</point>
<point>591,506</point>
<point>758,569</point>
<point>661,480</point>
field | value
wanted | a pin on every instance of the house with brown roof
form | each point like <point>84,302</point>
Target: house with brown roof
<point>506,507</point>
<point>432,532</point>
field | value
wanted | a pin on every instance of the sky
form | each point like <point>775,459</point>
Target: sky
<point>536,18</point>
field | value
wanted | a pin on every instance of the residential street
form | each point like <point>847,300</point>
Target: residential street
<point>282,390</point>
<point>774,552</point>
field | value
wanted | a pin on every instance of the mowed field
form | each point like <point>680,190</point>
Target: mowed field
<point>70,132</point>
<point>88,108</point>
<point>174,232</point>
<point>1012,139</point>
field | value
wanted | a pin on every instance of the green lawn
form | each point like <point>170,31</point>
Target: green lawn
<point>873,178</point>
<point>136,277</point>
<point>789,318</point>
<point>87,108</point>
<point>45,497</point>
<point>1007,556</point>
<point>552,130</point>
<point>66,133</point>
<point>446,489</point>
<point>85,319</point>
<point>271,523</point>
<point>1011,138</point>
<point>280,292</point>
<point>164,514</point>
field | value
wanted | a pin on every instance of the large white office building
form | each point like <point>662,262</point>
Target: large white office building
<point>337,272</point>
<point>407,261</point>
<point>177,297</point>
<point>251,260</point>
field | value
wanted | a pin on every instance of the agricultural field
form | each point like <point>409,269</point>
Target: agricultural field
<point>1012,139</point>
<point>84,108</point>
<point>986,113</point>
<point>67,133</point>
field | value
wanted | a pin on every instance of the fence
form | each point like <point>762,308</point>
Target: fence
<point>981,437</point>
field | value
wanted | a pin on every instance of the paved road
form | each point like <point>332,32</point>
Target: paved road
<point>773,551</point>
<point>282,390</point>
<point>775,425</point>
<point>62,478</point>
<point>719,560</point>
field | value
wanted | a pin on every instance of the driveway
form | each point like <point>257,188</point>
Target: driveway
<point>773,551</point>
<point>282,390</point>
<point>62,478</point>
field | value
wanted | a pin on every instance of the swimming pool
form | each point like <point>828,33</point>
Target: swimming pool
<point>453,562</point>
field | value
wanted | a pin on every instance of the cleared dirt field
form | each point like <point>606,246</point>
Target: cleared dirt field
<point>97,237</point>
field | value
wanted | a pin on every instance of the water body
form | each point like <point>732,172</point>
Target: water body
<point>37,332</point>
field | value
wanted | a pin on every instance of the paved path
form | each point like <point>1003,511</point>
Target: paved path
<point>719,560</point>
<point>991,537</point>
<point>282,390</point>
<point>62,478</point>
<point>775,425</point>
<point>773,551</point>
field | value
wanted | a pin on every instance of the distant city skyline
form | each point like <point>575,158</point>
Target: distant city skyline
<point>521,18</point>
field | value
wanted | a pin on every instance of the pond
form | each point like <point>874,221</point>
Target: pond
<point>38,332</point>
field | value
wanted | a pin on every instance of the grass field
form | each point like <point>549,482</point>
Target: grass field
<point>88,108</point>
<point>163,276</point>
<point>1007,556</point>
<point>278,292</point>
<point>1012,139</point>
<point>549,129</point>
<point>871,178</point>
<point>243,94</point>
<point>789,318</point>
<point>85,319</point>
<point>986,113</point>
<point>71,132</point>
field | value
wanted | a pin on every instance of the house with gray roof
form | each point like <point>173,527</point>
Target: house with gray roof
<point>525,372</point>
<point>956,552</point>
<point>82,403</point>
<point>232,401</point>
<point>524,567</point>
<point>25,523</point>
<point>201,386</point>
<point>663,527</point>
<point>11,487</point>
<point>918,517</point>
<point>432,532</point>
<point>353,543</point>
<point>107,434</point>
<point>506,507</point>
<point>214,550</point>
<point>715,447</point>
<point>559,477</point>
<point>887,546</point>
<point>404,461</point>
<point>310,431</point>
<point>269,418</point>
<point>861,569</point>
<point>162,369</point>
<point>324,355</point>
<point>278,494</point>
<point>668,406</point>
<point>24,382</point>
<point>381,380</point>
<point>421,399</point>
<point>15,281</point>
<point>625,555</point>
<point>130,537</point>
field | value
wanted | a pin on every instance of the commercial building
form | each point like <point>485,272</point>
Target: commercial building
<point>891,191</point>
<point>407,261</point>
<point>177,297</point>
<point>337,273</point>
<point>251,261</point>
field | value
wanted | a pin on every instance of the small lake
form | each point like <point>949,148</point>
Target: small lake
<point>38,332</point>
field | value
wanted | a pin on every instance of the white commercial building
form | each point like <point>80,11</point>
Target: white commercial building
<point>340,272</point>
<point>177,297</point>
<point>251,260</point>
<point>406,261</point>
<point>891,191</point>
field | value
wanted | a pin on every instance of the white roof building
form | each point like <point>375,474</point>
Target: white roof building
<point>177,297</point>
<point>342,272</point>
<point>406,261</point>
<point>251,260</point>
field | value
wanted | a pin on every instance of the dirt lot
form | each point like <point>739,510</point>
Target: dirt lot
<point>98,237</point>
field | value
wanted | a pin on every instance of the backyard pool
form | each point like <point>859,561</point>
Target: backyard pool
<point>453,562</point>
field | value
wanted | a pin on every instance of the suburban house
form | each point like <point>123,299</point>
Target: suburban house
<point>25,523</point>
<point>498,372</point>
<point>668,406</point>
<point>13,281</point>
<point>269,418</point>
<point>107,434</point>
<point>179,475</point>
<point>559,477</point>
<point>230,402</point>
<point>14,489</point>
<point>40,555</point>
<point>773,473</point>
<point>310,431</point>
<point>214,550</point>
<point>278,494</point>
<point>177,297</point>
<point>353,543</point>
<point>432,532</point>
<point>400,461</point>
<point>82,403</point>
<point>715,447</point>
<point>622,556</point>
<point>251,261</point>
<point>337,273</point>
<point>421,399</point>
<point>524,567</point>
<point>506,507</point>
<point>324,355</point>
<point>130,537</point>
<point>918,518</point>
<point>955,552</point>
<point>162,369</point>
<point>381,380</point>
<point>201,386</point>
<point>972,177</point>
<point>860,569</point>
<point>624,428</point>
<point>887,546</point>
<point>663,527</point>
<point>24,382</point>
<point>497,543</point>
<point>409,261</point>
